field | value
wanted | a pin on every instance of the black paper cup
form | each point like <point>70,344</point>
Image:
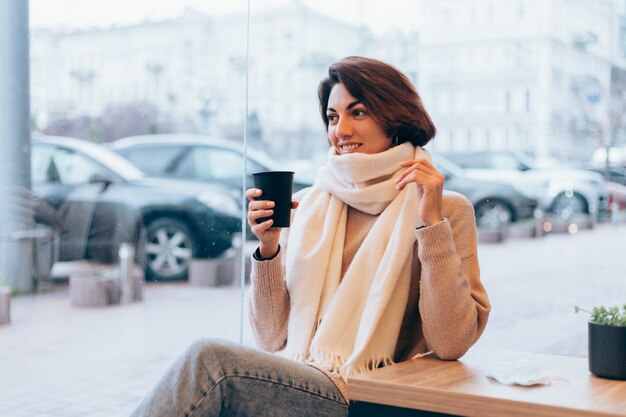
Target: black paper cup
<point>277,186</point>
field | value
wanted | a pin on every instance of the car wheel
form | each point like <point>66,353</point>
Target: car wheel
<point>569,205</point>
<point>169,249</point>
<point>492,214</point>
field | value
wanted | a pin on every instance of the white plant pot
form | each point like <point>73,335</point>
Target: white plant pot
<point>5,305</point>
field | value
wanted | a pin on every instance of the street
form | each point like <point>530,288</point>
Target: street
<point>59,360</point>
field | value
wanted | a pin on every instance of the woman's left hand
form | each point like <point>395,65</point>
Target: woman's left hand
<point>429,182</point>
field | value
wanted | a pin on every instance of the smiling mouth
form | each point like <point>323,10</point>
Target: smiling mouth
<point>350,148</point>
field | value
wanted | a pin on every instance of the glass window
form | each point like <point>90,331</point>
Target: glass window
<point>101,71</point>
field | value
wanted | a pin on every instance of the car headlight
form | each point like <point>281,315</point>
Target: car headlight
<point>221,203</point>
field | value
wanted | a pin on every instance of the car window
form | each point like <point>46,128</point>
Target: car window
<point>469,161</point>
<point>215,164</point>
<point>503,162</point>
<point>154,160</point>
<point>70,168</point>
<point>43,169</point>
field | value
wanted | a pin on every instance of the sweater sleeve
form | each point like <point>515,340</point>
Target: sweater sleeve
<point>453,303</point>
<point>268,303</point>
<point>268,297</point>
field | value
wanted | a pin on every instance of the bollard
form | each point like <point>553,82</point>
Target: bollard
<point>5,305</point>
<point>614,212</point>
<point>503,227</point>
<point>126,260</point>
<point>539,222</point>
<point>238,245</point>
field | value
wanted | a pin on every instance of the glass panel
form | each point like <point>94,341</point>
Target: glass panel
<point>119,258</point>
<point>171,78</point>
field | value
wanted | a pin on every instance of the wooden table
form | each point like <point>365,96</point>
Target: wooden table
<point>460,388</point>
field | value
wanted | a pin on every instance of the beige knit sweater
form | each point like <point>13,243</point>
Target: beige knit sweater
<point>447,308</point>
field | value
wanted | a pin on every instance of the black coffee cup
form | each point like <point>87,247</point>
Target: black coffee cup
<point>277,186</point>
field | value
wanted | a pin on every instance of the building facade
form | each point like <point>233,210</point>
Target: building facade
<point>193,71</point>
<point>525,75</point>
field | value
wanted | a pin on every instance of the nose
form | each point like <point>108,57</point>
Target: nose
<point>344,127</point>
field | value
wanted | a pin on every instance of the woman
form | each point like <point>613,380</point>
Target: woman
<point>379,266</point>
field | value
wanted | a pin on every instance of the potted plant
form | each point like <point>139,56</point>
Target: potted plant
<point>607,341</point>
<point>5,303</point>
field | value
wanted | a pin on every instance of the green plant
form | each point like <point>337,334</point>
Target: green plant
<point>611,316</point>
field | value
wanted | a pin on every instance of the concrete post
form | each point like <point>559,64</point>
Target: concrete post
<point>126,265</point>
<point>15,213</point>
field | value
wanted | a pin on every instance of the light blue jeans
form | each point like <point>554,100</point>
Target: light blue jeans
<point>216,378</point>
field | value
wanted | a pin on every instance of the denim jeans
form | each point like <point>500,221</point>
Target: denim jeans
<point>215,378</point>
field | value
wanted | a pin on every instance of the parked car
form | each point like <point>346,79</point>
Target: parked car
<point>496,204</point>
<point>617,196</point>
<point>197,158</point>
<point>564,192</point>
<point>104,200</point>
<point>615,173</point>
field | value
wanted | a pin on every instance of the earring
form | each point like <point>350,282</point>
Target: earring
<point>396,140</point>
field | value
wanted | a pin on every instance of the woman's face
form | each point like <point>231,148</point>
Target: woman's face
<point>351,128</point>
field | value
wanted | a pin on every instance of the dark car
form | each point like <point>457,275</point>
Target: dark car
<point>197,158</point>
<point>495,204</point>
<point>104,200</point>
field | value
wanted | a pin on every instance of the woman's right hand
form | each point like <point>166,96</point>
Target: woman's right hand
<point>268,236</point>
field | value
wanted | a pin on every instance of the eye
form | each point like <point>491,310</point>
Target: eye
<point>331,117</point>
<point>359,113</point>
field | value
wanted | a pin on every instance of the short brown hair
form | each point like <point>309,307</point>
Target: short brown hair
<point>386,92</point>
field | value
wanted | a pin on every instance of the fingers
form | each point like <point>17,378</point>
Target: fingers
<point>423,161</point>
<point>412,165</point>
<point>261,208</point>
<point>420,171</point>
<point>258,209</point>
<point>259,229</point>
<point>253,193</point>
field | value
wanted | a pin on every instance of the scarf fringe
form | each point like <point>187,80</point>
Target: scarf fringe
<point>337,364</point>
<point>369,365</point>
<point>325,360</point>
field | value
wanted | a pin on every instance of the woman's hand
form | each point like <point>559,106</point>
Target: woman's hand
<point>429,182</point>
<point>267,235</point>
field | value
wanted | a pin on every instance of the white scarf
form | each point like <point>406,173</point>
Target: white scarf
<point>352,327</point>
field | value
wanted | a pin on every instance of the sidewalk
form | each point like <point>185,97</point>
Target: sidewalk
<point>59,360</point>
